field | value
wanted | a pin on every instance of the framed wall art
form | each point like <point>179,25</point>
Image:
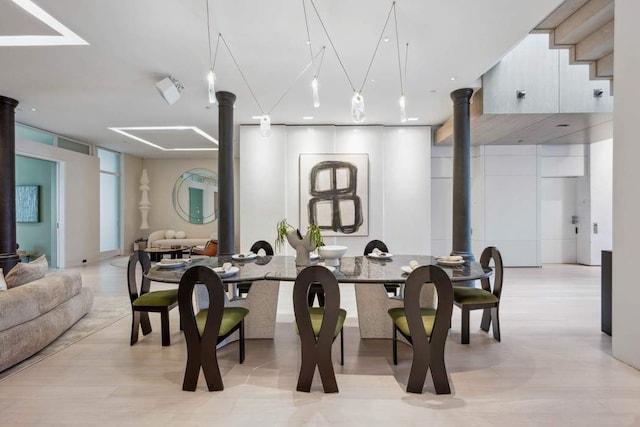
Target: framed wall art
<point>334,193</point>
<point>27,203</point>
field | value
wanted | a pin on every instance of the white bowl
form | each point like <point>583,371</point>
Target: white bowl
<point>332,254</point>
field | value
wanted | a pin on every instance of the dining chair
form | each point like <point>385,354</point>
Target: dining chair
<point>391,288</point>
<point>425,328</point>
<point>486,298</point>
<point>144,301</point>
<point>206,329</point>
<point>318,327</point>
<point>260,245</point>
<point>210,249</point>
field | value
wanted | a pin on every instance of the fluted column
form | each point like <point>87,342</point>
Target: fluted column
<point>226,235</point>
<point>8,255</point>
<point>461,174</point>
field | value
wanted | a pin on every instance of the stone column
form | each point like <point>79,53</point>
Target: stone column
<point>226,235</point>
<point>8,255</point>
<point>461,174</point>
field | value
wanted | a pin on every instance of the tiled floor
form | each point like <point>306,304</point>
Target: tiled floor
<point>553,367</point>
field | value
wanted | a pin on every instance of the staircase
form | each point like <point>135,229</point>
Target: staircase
<point>585,27</point>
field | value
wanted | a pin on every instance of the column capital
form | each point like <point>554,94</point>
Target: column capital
<point>8,101</point>
<point>225,98</point>
<point>461,95</point>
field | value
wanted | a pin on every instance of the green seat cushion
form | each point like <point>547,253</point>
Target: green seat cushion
<point>157,298</point>
<point>399,318</point>
<point>317,313</point>
<point>230,318</point>
<point>465,295</point>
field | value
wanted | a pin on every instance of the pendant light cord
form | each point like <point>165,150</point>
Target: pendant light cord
<point>304,70</point>
<point>306,23</point>
<point>406,59</point>
<point>332,45</point>
<point>373,57</point>
<point>241,73</point>
<point>395,19</point>
<point>212,62</point>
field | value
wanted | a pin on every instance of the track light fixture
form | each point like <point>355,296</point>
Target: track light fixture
<point>170,89</point>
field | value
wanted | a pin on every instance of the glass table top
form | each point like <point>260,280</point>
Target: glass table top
<point>358,269</point>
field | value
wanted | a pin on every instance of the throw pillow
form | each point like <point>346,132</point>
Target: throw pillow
<point>170,234</point>
<point>3,284</point>
<point>180,234</point>
<point>24,273</point>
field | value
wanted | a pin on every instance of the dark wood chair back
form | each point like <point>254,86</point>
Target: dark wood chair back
<point>264,245</point>
<point>316,351</point>
<point>428,351</point>
<point>201,349</point>
<point>142,258</point>
<point>492,253</point>
<point>375,244</point>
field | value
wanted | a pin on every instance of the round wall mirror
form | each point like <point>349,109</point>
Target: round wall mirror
<point>195,196</point>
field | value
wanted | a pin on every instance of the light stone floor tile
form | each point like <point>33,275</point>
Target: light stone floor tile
<point>553,367</point>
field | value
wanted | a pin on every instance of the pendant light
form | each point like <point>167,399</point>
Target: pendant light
<point>357,108</point>
<point>403,109</point>
<point>265,126</point>
<point>211,78</point>
<point>316,96</point>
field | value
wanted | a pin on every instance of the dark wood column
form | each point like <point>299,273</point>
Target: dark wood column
<point>226,234</point>
<point>8,255</point>
<point>461,174</point>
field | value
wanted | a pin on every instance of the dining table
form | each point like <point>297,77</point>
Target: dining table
<point>358,269</point>
<point>366,273</point>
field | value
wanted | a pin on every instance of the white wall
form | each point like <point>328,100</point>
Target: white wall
<point>511,201</point>
<point>601,174</point>
<point>130,183</point>
<point>80,201</point>
<point>441,199</point>
<point>626,203</point>
<point>399,181</point>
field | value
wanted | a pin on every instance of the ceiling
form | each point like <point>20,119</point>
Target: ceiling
<point>81,91</point>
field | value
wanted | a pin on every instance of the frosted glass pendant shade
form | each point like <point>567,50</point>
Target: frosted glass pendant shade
<point>265,126</point>
<point>403,109</point>
<point>316,96</point>
<point>357,108</point>
<point>211,78</point>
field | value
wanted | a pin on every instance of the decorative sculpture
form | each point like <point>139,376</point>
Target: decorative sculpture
<point>144,204</point>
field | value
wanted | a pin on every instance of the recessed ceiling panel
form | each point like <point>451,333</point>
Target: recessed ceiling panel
<point>15,21</point>
<point>61,36</point>
<point>170,138</point>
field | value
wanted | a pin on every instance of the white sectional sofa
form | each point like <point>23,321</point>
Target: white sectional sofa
<point>162,239</point>
<point>36,313</point>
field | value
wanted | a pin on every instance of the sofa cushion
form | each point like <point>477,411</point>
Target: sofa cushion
<point>167,243</point>
<point>24,273</point>
<point>3,284</point>
<point>180,235</point>
<point>170,234</point>
<point>26,302</point>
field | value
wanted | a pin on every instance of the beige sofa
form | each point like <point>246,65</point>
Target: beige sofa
<point>34,314</point>
<point>158,239</point>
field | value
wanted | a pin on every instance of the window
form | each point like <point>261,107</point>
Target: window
<point>109,200</point>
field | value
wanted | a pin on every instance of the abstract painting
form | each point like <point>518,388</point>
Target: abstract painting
<point>334,193</point>
<point>27,203</point>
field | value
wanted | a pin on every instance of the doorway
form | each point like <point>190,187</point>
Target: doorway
<point>36,229</point>
<point>195,205</point>
<point>559,222</point>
